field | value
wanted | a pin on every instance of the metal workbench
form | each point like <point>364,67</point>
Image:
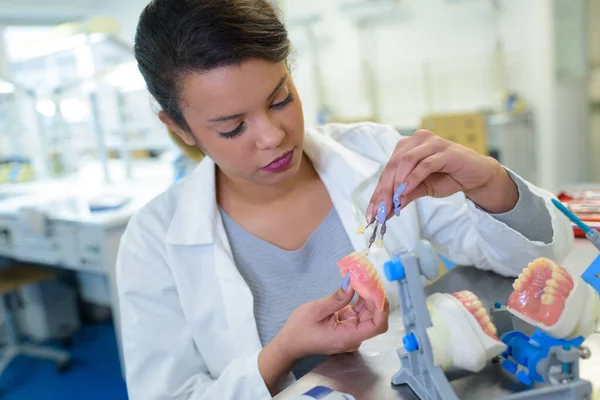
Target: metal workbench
<point>367,374</point>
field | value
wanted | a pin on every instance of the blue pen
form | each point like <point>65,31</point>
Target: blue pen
<point>592,235</point>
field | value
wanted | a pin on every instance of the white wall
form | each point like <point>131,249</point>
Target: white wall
<point>594,32</point>
<point>455,41</point>
<point>126,13</point>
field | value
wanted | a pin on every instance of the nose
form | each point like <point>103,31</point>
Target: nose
<point>270,134</point>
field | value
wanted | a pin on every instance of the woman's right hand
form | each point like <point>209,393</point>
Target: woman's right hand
<point>326,326</point>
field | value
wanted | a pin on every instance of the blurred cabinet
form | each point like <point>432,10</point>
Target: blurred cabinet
<point>468,130</point>
<point>509,138</point>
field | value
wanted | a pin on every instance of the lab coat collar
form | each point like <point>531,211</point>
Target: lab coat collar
<point>197,217</point>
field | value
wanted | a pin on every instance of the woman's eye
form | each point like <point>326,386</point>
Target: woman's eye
<point>284,103</point>
<point>233,133</point>
<point>240,128</point>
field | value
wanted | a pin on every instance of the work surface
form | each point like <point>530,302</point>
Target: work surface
<point>367,374</point>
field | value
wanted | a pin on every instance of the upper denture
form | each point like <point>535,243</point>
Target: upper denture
<point>363,277</point>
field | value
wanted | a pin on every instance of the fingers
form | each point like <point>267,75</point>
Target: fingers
<point>381,318</point>
<point>331,304</point>
<point>358,311</point>
<point>360,305</point>
<point>346,313</point>
<point>435,185</point>
<point>379,204</point>
<point>404,161</point>
<point>435,163</point>
<point>359,329</point>
<point>365,310</point>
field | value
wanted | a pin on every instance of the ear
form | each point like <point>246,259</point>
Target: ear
<point>187,137</point>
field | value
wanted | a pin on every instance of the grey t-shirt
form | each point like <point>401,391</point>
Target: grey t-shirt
<point>281,280</point>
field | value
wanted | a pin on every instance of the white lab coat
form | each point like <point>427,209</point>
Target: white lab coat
<point>187,322</point>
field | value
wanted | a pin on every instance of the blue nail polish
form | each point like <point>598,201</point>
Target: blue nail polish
<point>397,206</point>
<point>346,282</point>
<point>396,198</point>
<point>381,213</point>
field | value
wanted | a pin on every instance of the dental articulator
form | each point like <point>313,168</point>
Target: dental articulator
<point>456,331</point>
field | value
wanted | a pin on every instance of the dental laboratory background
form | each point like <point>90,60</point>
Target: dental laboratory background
<point>82,148</point>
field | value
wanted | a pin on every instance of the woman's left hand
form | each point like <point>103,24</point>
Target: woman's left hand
<point>428,165</point>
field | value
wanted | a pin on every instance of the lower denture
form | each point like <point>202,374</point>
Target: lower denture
<point>364,279</point>
<point>475,307</point>
<point>541,291</point>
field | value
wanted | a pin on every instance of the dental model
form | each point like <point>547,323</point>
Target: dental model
<point>462,334</point>
<point>549,298</point>
<point>363,277</point>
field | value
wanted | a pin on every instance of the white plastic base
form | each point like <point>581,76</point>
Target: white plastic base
<point>456,337</point>
<point>579,307</point>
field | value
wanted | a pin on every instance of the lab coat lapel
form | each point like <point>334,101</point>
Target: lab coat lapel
<point>343,172</point>
<point>237,297</point>
<point>198,222</point>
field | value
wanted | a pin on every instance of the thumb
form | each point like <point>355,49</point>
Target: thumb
<point>331,304</point>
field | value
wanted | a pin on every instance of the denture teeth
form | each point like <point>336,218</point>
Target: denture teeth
<point>531,267</point>
<point>557,276</point>
<point>480,313</point>
<point>485,320</point>
<point>550,290</point>
<point>518,285</point>
<point>492,328</point>
<point>547,299</point>
<point>552,283</point>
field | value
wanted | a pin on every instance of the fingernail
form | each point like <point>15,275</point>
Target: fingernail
<point>346,282</point>
<point>396,199</point>
<point>370,213</point>
<point>382,213</point>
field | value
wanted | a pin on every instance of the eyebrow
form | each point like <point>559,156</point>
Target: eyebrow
<point>234,116</point>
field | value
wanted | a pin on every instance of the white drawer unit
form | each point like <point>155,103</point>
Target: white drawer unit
<point>66,233</point>
<point>30,246</point>
<point>91,248</point>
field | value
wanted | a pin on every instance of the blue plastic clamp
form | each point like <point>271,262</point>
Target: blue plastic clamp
<point>592,274</point>
<point>394,270</point>
<point>510,366</point>
<point>410,342</point>
<point>527,351</point>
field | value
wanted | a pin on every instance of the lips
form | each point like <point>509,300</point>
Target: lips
<point>280,163</point>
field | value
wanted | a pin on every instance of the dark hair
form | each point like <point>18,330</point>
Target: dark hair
<point>178,37</point>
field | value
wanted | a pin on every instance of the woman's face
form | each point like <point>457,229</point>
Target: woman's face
<point>248,119</point>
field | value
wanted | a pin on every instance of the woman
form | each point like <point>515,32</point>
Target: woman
<point>227,282</point>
